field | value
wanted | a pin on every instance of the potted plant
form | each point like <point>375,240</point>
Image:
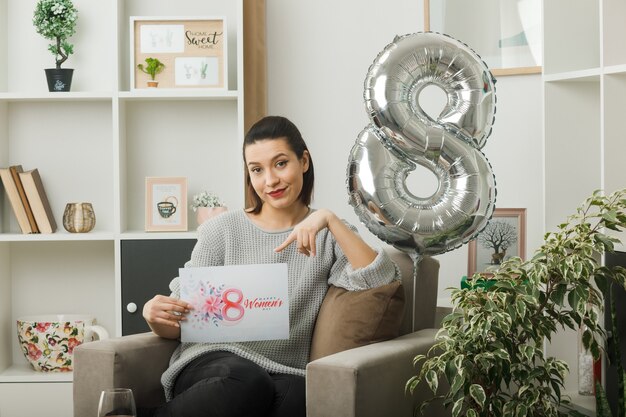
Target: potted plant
<point>152,68</point>
<point>490,349</point>
<point>206,205</point>
<point>56,20</point>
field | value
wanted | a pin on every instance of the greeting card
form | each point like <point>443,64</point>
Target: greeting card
<point>235,303</point>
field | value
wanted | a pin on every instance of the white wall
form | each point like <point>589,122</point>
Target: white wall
<point>318,56</point>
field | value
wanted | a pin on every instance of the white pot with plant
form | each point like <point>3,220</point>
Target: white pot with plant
<point>56,20</point>
<point>207,205</point>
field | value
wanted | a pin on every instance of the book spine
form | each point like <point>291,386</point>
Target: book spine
<point>39,201</point>
<point>15,170</point>
<point>14,198</point>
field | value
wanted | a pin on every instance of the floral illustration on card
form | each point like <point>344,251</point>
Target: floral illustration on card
<point>215,305</point>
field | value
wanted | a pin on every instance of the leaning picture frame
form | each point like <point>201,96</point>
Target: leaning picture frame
<point>503,237</point>
<point>509,39</point>
<point>193,50</point>
<point>166,204</point>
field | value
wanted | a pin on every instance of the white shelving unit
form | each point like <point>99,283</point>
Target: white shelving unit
<point>97,143</point>
<point>584,87</point>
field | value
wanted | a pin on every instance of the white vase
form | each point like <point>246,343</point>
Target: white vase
<point>205,213</point>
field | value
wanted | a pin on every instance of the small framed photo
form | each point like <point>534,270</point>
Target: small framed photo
<point>503,238</point>
<point>193,51</point>
<point>166,204</point>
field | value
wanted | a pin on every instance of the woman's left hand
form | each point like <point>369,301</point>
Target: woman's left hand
<point>304,233</point>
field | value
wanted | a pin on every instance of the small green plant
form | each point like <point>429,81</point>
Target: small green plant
<point>490,349</point>
<point>206,199</point>
<point>56,20</point>
<point>152,68</point>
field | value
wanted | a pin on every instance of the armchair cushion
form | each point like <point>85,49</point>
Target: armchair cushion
<point>134,362</point>
<point>349,319</point>
<point>370,381</point>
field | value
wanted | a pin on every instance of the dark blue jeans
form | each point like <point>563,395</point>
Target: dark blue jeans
<point>222,384</point>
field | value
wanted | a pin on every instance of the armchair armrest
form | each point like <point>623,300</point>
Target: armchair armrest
<point>369,381</point>
<point>135,362</point>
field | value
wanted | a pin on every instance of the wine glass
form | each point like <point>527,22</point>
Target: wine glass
<point>117,402</point>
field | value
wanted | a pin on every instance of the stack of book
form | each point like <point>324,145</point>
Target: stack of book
<point>28,199</point>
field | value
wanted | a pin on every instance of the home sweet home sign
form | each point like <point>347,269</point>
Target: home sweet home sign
<point>193,50</point>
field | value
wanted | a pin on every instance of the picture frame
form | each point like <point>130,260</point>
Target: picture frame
<point>509,39</point>
<point>166,204</point>
<point>503,238</point>
<point>194,51</point>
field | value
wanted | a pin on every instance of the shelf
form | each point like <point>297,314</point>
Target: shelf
<point>96,236</point>
<point>614,144</point>
<point>60,96</point>
<point>24,373</point>
<point>572,149</point>
<point>70,143</point>
<point>584,85</point>
<point>572,44</point>
<point>172,94</point>
<point>587,75</point>
<point>98,143</point>
<point>140,235</point>
<point>163,94</point>
<point>613,13</point>
<point>615,69</point>
<point>58,236</point>
<point>26,54</point>
<point>591,74</point>
<point>228,8</point>
<point>585,404</point>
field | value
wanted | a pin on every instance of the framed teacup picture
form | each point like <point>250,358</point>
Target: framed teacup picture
<point>166,204</point>
<point>503,238</point>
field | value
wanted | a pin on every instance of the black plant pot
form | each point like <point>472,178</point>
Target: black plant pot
<point>59,79</point>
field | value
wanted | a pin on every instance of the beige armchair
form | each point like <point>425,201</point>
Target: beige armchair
<point>367,381</point>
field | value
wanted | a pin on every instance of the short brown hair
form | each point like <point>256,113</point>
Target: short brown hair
<point>277,127</point>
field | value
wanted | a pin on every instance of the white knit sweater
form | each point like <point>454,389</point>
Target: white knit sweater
<point>232,239</point>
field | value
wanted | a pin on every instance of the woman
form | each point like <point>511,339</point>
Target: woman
<point>265,378</point>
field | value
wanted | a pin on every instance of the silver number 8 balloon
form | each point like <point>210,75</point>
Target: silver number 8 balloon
<point>402,135</point>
